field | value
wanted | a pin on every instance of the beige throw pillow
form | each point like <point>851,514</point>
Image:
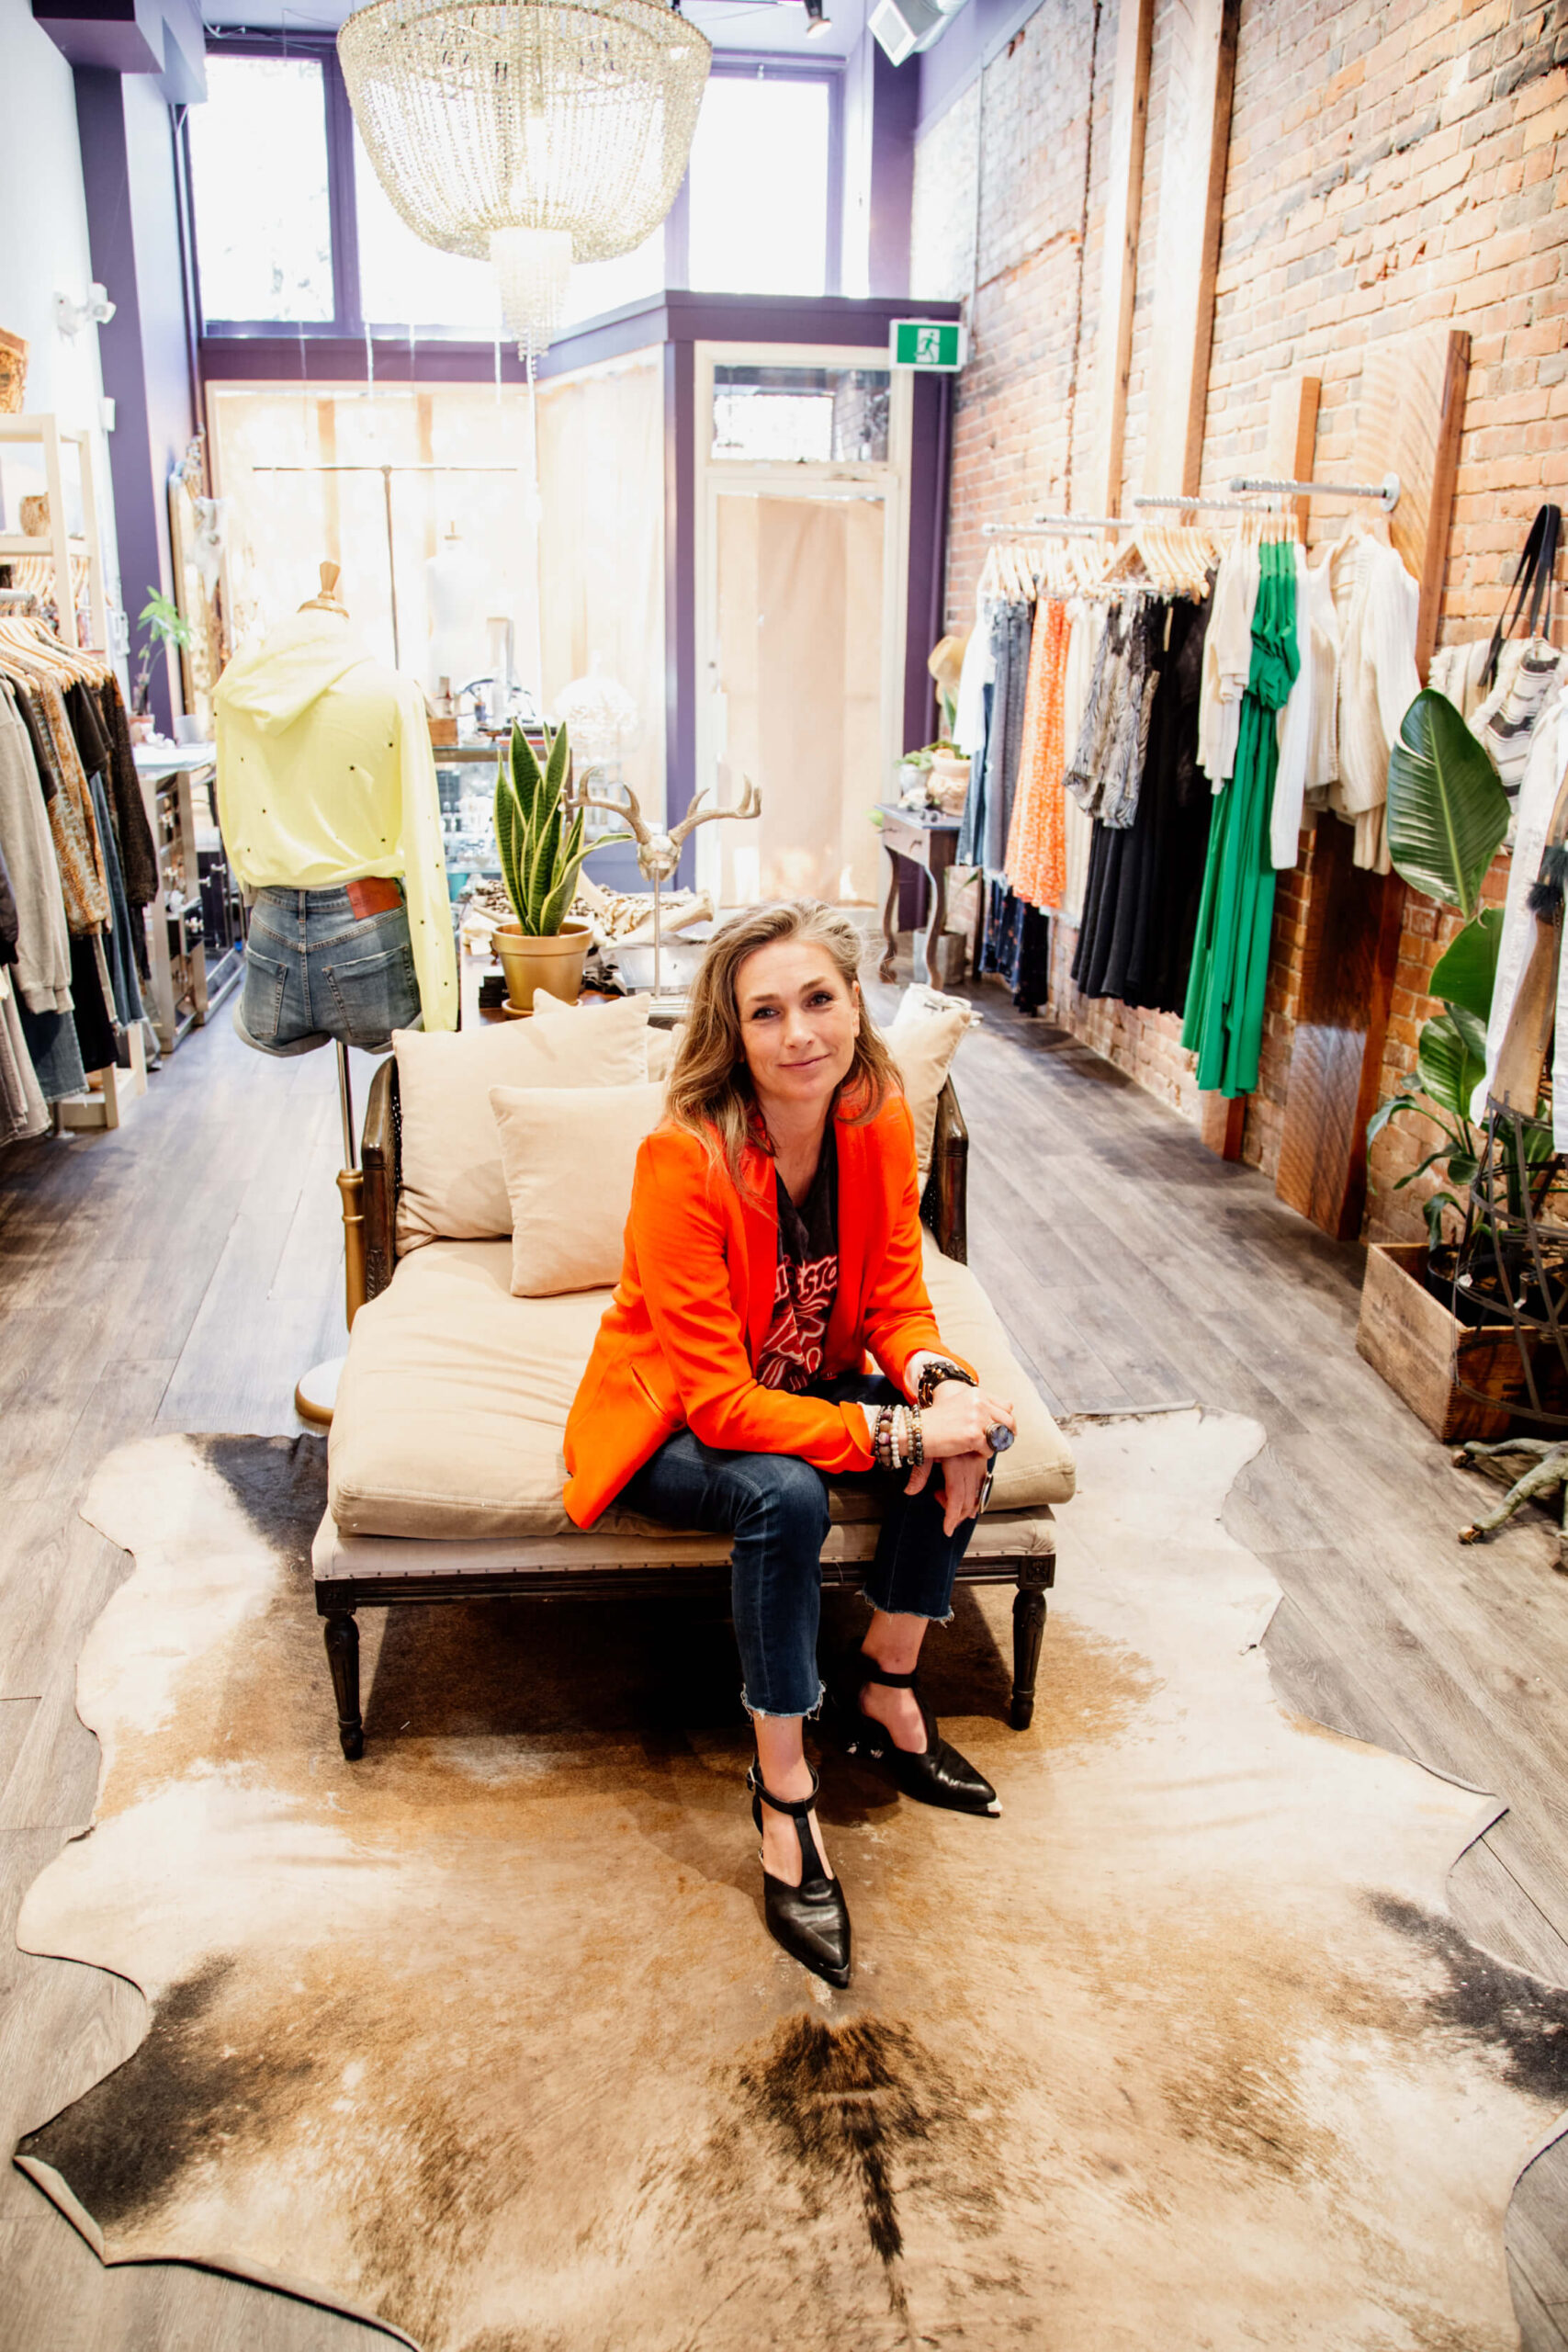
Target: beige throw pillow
<point>454,1188</point>
<point>922,1041</point>
<point>569,1157</point>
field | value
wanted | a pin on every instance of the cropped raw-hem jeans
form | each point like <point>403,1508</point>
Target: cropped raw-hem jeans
<point>775,1507</point>
<point>315,970</point>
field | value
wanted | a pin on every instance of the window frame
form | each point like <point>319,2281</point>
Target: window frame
<point>342,218</point>
<point>348,317</point>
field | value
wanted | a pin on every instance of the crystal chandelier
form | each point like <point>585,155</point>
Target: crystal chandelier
<point>531,133</point>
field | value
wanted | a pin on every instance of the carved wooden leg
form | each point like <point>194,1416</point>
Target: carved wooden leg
<point>890,920</point>
<point>342,1656</point>
<point>926,952</point>
<point>1027,1631</point>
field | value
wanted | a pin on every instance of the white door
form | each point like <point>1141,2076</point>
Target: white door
<point>801,557</point>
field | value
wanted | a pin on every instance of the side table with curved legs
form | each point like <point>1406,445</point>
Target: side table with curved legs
<point>928,842</point>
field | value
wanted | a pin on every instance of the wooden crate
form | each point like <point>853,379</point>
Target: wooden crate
<point>1418,1346</point>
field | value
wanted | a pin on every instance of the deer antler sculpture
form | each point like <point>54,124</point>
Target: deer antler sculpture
<point>657,853</point>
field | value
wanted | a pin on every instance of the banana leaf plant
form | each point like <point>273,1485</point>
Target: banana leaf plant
<point>1448,814</point>
<point>541,854</point>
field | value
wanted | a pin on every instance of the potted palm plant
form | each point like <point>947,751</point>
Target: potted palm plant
<point>1448,814</point>
<point>541,857</point>
<point>165,626</point>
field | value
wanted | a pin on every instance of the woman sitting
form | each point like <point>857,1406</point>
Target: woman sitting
<point>775,1239</point>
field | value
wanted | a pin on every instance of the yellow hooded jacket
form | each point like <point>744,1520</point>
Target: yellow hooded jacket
<point>325,775</point>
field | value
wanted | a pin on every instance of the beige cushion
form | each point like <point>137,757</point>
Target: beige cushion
<point>922,1042</point>
<point>454,1400</point>
<point>662,1042</point>
<point>454,1188</point>
<point>570,1154</point>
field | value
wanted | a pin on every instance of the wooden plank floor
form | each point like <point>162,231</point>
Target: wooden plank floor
<point>181,1273</point>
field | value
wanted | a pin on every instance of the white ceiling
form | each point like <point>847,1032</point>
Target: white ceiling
<point>766,28</point>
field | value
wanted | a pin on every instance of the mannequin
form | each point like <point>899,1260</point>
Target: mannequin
<point>326,786</point>
<point>328,803</point>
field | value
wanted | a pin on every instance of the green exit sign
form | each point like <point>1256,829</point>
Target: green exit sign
<point>928,343</point>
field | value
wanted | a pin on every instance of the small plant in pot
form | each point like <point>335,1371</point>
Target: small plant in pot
<point>165,626</point>
<point>541,857</point>
<point>1448,814</point>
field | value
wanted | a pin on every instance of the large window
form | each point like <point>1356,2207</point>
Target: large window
<point>258,152</point>
<point>294,231</point>
<point>759,184</point>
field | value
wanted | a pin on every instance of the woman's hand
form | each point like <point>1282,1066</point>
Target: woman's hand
<point>958,1419</point>
<point>955,1427</point>
<point>963,1481</point>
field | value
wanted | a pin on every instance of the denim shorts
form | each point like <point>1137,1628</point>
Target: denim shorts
<point>315,971</point>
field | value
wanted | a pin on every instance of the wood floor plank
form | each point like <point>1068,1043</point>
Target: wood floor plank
<point>1495,1911</point>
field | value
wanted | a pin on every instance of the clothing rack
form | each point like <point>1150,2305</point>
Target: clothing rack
<point>385,472</point>
<point>1386,491</point>
<point>1051,526</point>
<point>1207,505</point>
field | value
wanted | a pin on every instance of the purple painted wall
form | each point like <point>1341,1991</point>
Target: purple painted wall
<point>133,227</point>
<point>895,102</point>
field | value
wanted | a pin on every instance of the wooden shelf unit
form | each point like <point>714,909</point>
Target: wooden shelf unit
<point>58,544</point>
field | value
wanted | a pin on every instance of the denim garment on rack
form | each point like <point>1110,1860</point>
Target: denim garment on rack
<point>119,939</point>
<point>315,971</point>
<point>55,1055</point>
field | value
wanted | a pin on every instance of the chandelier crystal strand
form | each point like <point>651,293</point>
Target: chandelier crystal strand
<point>534,265</point>
<point>497,118</point>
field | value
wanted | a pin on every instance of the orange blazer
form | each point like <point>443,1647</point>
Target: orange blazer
<point>679,1343</point>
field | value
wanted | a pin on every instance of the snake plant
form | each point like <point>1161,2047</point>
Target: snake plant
<point>541,854</point>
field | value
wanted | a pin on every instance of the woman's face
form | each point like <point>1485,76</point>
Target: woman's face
<point>798,1023</point>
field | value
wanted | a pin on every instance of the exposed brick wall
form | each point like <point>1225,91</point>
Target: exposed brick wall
<point>1390,165</point>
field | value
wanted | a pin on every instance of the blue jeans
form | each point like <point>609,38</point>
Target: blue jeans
<point>314,970</point>
<point>775,1507</point>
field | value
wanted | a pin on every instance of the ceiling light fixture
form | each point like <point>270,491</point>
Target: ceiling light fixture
<point>531,133</point>
<point>817,21</point>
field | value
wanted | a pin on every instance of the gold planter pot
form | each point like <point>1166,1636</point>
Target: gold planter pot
<point>554,964</point>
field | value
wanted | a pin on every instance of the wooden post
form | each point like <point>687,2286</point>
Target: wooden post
<point>1409,415</point>
<point>1124,216</point>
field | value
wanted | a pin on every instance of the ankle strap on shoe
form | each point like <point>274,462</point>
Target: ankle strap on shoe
<point>869,1671</point>
<point>797,1808</point>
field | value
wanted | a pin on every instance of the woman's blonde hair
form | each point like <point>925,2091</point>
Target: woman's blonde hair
<point>709,1092</point>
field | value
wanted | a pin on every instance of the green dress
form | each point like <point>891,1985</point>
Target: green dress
<point>1223,1024</point>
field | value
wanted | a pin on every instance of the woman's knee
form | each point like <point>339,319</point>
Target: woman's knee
<point>784,1498</point>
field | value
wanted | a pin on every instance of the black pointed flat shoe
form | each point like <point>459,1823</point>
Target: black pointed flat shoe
<point>811,1921</point>
<point>936,1775</point>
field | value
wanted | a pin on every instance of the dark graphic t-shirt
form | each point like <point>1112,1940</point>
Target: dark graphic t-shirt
<point>807,1280</point>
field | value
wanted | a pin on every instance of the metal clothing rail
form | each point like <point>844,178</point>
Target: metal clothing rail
<point>1047,525</point>
<point>1206,506</point>
<point>1386,491</point>
<point>385,472</point>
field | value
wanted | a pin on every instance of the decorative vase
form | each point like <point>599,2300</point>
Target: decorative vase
<point>949,781</point>
<point>554,964</point>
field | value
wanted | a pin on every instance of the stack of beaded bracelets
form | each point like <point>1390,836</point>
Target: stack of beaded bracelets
<point>899,1442</point>
<point>934,1373</point>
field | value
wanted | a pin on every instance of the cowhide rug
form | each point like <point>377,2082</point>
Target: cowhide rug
<point>482,2037</point>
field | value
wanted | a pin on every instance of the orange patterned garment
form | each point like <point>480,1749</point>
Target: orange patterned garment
<point>1037,840</point>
